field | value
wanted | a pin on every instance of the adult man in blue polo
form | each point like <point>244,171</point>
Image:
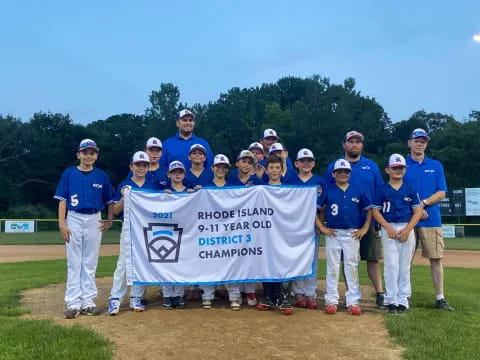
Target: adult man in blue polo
<point>178,147</point>
<point>427,178</point>
<point>366,175</point>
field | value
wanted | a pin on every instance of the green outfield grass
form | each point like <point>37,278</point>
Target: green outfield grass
<point>425,333</point>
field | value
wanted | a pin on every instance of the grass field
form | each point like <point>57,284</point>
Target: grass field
<point>113,237</point>
<point>425,333</point>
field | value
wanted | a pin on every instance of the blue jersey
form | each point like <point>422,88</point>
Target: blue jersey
<point>289,177</point>
<point>212,184</point>
<point>85,192</point>
<point>158,176</point>
<point>252,180</point>
<point>169,187</point>
<point>427,178</point>
<point>313,180</point>
<point>343,209</point>
<point>191,180</point>
<point>396,205</point>
<point>148,184</point>
<point>177,148</point>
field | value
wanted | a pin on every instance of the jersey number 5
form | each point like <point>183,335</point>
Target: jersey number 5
<point>334,209</point>
<point>74,200</point>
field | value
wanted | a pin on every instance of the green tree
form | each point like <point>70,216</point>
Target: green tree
<point>161,115</point>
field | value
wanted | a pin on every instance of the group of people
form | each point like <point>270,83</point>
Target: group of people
<point>357,212</point>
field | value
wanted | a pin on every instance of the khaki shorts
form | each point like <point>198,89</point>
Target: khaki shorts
<point>431,239</point>
<point>371,246</point>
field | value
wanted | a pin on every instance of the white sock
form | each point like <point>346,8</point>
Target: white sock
<point>440,297</point>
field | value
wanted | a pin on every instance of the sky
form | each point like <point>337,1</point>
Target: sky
<point>94,59</point>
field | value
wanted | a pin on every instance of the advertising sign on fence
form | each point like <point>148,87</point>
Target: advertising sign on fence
<point>472,201</point>
<point>448,231</point>
<point>19,226</point>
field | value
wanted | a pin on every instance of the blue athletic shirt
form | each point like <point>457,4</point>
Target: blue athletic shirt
<point>85,193</point>
<point>159,176</point>
<point>396,205</point>
<point>177,148</point>
<point>314,180</point>
<point>287,179</point>
<point>252,180</point>
<point>344,208</point>
<point>426,179</point>
<point>191,180</point>
<point>148,184</point>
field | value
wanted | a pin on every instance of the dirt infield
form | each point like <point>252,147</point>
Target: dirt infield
<point>219,333</point>
<point>16,253</point>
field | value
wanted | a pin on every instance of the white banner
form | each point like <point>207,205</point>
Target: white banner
<point>19,226</point>
<point>472,201</point>
<point>251,234</point>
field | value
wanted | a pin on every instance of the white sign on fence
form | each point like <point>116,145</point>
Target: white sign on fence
<point>448,231</point>
<point>248,234</point>
<point>19,226</point>
<point>472,201</point>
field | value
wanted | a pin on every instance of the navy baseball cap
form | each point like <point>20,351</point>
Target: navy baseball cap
<point>418,133</point>
<point>87,144</point>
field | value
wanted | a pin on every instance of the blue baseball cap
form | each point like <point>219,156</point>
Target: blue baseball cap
<point>176,165</point>
<point>418,133</point>
<point>87,144</point>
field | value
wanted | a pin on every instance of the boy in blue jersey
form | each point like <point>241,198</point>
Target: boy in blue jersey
<point>288,172</point>
<point>83,190</point>
<point>259,158</point>
<point>139,166</point>
<point>306,289</point>
<point>173,294</point>
<point>341,205</point>
<point>244,177</point>
<point>157,173</point>
<point>427,178</point>
<point>274,294</point>
<point>397,209</point>
<point>198,175</point>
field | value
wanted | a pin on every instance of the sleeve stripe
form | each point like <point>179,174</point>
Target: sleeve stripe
<point>59,198</point>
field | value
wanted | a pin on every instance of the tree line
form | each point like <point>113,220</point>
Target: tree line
<point>306,112</point>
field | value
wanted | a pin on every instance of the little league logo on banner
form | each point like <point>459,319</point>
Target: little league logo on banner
<point>250,234</point>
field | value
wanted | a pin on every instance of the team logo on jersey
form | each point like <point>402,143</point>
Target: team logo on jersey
<point>163,242</point>
<point>407,199</point>
<point>97,186</point>
<point>366,167</point>
<point>429,171</point>
<point>355,200</point>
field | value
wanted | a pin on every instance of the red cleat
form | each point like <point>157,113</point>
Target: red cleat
<point>330,309</point>
<point>355,310</point>
<point>300,301</point>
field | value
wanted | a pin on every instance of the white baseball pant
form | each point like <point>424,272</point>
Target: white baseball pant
<point>82,259</point>
<point>119,286</point>
<point>173,290</point>
<point>344,242</point>
<point>308,286</point>
<point>397,259</point>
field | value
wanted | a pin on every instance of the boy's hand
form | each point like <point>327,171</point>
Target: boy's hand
<point>402,235</point>
<point>105,225</point>
<point>65,232</point>
<point>424,214</point>
<point>319,190</point>
<point>197,187</point>
<point>192,190</point>
<point>168,191</point>
<point>125,188</point>
<point>391,232</point>
<point>329,232</point>
<point>359,234</point>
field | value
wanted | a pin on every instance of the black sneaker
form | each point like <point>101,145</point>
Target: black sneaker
<point>443,304</point>
<point>179,303</point>
<point>90,311</point>
<point>167,303</point>
<point>285,307</point>
<point>392,309</point>
<point>266,304</point>
<point>71,313</point>
<point>401,310</point>
<point>379,300</point>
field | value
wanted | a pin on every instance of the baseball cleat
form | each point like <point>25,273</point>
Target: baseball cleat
<point>251,299</point>
<point>300,301</point>
<point>443,304</point>
<point>379,300</point>
<point>355,310</point>
<point>266,304</point>
<point>235,305</point>
<point>401,310</point>
<point>113,306</point>
<point>71,313</point>
<point>207,304</point>
<point>285,307</point>
<point>167,303</point>
<point>90,311</point>
<point>312,303</point>
<point>330,309</point>
<point>392,309</point>
<point>178,302</point>
<point>136,304</point>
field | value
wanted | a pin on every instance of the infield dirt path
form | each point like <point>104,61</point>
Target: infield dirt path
<point>219,333</point>
<point>16,253</point>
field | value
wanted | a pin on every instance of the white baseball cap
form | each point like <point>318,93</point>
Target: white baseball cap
<point>153,142</point>
<point>396,160</point>
<point>269,133</point>
<point>244,154</point>
<point>352,134</point>
<point>305,154</point>
<point>185,112</point>
<point>255,145</point>
<point>176,165</point>
<point>140,156</point>
<point>221,159</point>
<point>197,147</point>
<point>276,147</point>
<point>87,144</point>
<point>342,164</point>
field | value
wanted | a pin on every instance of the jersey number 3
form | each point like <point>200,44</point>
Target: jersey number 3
<point>74,200</point>
<point>334,209</point>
